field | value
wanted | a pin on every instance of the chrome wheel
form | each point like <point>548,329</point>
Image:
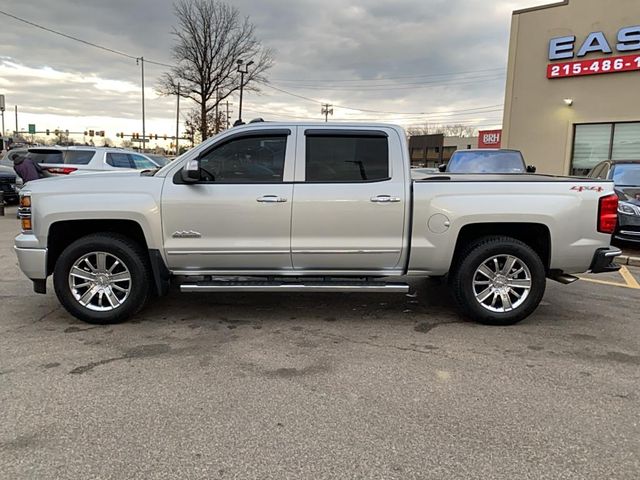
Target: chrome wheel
<point>100,281</point>
<point>502,283</point>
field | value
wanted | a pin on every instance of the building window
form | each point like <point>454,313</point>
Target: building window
<point>597,142</point>
<point>626,141</point>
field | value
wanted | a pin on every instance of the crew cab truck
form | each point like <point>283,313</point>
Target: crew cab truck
<point>310,207</point>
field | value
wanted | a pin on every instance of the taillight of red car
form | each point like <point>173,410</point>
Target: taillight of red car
<point>61,170</point>
<point>608,214</point>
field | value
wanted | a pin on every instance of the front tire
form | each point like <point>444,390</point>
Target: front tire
<point>102,278</point>
<point>498,280</point>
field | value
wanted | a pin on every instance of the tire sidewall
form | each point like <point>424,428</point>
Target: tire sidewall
<point>480,254</point>
<point>127,253</point>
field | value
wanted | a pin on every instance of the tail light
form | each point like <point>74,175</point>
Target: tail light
<point>61,170</point>
<point>608,214</point>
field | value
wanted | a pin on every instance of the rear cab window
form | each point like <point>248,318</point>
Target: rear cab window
<point>346,157</point>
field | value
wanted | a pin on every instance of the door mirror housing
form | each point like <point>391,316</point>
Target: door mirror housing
<point>190,173</point>
<point>531,169</point>
<point>442,167</point>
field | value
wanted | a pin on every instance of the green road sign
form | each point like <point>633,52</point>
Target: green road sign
<point>32,128</point>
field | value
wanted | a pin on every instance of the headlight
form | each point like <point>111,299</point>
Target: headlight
<point>24,211</point>
<point>626,208</point>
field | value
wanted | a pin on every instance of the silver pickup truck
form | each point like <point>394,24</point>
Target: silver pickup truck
<point>310,207</point>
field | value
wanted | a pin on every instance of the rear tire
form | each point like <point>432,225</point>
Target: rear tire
<point>103,278</point>
<point>498,280</point>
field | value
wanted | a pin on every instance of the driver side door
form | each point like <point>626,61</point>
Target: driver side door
<point>237,217</point>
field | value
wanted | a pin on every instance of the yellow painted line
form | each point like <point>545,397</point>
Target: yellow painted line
<point>630,281</point>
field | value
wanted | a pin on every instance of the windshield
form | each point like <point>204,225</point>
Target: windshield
<point>486,162</point>
<point>627,174</point>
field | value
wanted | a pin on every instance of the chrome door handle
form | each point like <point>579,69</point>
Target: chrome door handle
<point>385,199</point>
<point>271,199</point>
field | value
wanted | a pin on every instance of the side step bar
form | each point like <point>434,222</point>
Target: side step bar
<point>276,286</point>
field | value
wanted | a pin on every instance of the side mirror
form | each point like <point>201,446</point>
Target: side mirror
<point>190,173</point>
<point>531,169</point>
<point>442,167</point>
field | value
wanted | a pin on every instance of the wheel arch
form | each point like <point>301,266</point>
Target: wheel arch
<point>535,235</point>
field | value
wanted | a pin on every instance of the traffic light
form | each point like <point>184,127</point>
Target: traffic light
<point>156,136</point>
<point>47,131</point>
<point>165,136</point>
<point>102,133</point>
<point>85,133</point>
<point>121,134</point>
<point>56,131</point>
<point>91,133</point>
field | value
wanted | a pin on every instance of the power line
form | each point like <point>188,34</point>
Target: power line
<point>133,57</point>
<point>369,110</point>
<point>426,75</point>
<point>71,37</point>
<point>401,86</point>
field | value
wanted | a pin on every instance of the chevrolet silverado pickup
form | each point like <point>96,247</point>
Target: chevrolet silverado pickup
<point>302,207</point>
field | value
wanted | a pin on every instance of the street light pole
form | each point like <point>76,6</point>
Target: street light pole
<point>141,59</point>
<point>242,72</point>
<point>178,121</point>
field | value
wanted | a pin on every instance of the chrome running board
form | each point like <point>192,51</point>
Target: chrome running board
<point>295,286</point>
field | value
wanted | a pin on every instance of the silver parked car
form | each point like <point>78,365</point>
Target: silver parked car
<point>81,159</point>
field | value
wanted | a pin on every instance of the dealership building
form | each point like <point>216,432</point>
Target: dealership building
<point>573,84</point>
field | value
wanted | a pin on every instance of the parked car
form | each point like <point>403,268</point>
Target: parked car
<point>626,179</point>
<point>300,207</point>
<point>8,179</point>
<point>82,159</point>
<point>487,160</point>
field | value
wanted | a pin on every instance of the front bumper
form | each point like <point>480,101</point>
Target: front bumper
<point>33,262</point>
<point>603,260</point>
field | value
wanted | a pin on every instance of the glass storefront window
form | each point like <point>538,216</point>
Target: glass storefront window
<point>626,142</point>
<point>591,145</point>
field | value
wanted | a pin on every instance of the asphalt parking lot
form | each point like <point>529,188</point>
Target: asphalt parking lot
<point>320,386</point>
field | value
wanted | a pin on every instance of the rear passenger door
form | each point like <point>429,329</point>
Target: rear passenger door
<point>349,203</point>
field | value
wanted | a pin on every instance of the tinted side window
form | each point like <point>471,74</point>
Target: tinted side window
<point>141,162</point>
<point>246,160</point>
<point>78,157</point>
<point>346,158</point>
<point>118,160</point>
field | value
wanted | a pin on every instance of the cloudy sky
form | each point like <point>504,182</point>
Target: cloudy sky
<point>415,60</point>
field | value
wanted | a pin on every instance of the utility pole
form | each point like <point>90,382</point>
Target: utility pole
<point>178,121</point>
<point>326,111</point>
<point>242,72</point>
<point>143,123</point>
<point>2,110</point>
<point>216,123</point>
<point>16,119</point>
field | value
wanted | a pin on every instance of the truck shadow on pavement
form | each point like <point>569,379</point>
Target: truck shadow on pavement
<point>428,305</point>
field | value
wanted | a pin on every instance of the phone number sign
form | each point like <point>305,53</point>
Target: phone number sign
<point>599,66</point>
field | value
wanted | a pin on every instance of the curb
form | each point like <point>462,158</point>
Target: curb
<point>627,260</point>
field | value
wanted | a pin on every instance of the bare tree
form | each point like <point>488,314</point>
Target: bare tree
<point>453,130</point>
<point>211,37</point>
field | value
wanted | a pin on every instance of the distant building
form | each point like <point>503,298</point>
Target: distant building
<point>435,149</point>
<point>572,84</point>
